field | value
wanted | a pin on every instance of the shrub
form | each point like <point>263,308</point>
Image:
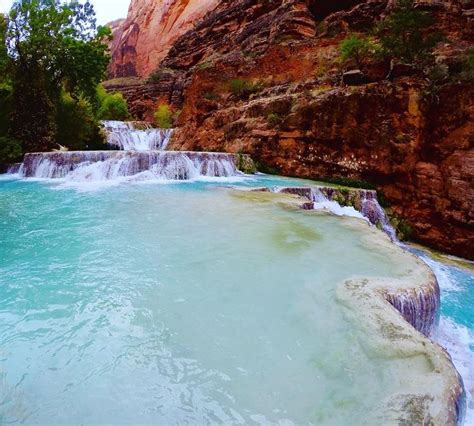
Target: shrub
<point>5,108</point>
<point>274,119</point>
<point>210,96</point>
<point>467,72</point>
<point>77,126</point>
<point>355,49</point>
<point>10,150</point>
<point>403,34</point>
<point>164,116</point>
<point>112,106</point>
<point>242,87</point>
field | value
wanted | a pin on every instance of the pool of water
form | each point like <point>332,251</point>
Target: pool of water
<point>179,304</point>
<point>186,303</point>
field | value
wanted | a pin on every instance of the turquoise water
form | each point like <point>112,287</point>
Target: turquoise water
<point>183,303</point>
<point>178,304</point>
<point>456,330</point>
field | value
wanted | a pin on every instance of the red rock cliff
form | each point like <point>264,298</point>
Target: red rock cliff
<point>151,28</point>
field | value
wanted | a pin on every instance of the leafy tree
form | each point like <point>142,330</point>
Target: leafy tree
<point>356,49</point>
<point>4,59</point>
<point>10,150</point>
<point>404,36</point>
<point>77,126</point>
<point>53,46</point>
<point>164,117</point>
<point>112,106</point>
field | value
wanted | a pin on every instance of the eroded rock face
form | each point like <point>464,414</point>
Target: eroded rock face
<point>151,28</point>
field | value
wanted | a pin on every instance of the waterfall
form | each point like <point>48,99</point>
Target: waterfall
<point>373,211</point>
<point>107,165</point>
<point>322,202</point>
<point>142,156</point>
<point>136,136</point>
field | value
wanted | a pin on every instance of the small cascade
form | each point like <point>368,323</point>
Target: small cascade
<point>420,307</point>
<point>136,136</point>
<point>322,202</point>
<point>372,210</point>
<point>107,165</point>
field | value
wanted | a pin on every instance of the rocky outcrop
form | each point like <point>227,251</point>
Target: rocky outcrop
<point>419,155</point>
<point>396,317</point>
<point>151,28</point>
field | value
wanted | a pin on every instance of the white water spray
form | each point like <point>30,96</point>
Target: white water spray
<point>136,136</point>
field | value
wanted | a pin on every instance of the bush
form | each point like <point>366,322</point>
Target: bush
<point>77,126</point>
<point>241,87</point>
<point>210,96</point>
<point>164,117</point>
<point>403,34</point>
<point>467,72</point>
<point>112,106</point>
<point>5,108</point>
<point>274,119</point>
<point>355,49</point>
<point>10,150</point>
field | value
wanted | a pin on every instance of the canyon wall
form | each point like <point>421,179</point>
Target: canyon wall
<point>151,27</point>
<point>264,78</point>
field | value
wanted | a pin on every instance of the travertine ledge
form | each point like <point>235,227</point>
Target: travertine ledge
<point>396,317</point>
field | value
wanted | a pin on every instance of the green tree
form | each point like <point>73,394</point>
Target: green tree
<point>77,125</point>
<point>112,106</point>
<point>4,59</point>
<point>53,46</point>
<point>164,117</point>
<point>404,36</point>
<point>356,49</point>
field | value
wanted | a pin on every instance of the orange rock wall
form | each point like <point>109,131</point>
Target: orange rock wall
<point>151,28</point>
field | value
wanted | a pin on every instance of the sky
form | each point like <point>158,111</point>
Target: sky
<point>107,10</point>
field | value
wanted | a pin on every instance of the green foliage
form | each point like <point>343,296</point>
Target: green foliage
<point>210,96</point>
<point>467,72</point>
<point>355,49</point>
<point>245,164</point>
<point>160,73</point>
<point>111,106</point>
<point>5,108</point>
<point>242,87</point>
<point>10,150</point>
<point>274,119</point>
<point>33,115</point>
<point>164,117</point>
<point>404,36</point>
<point>263,167</point>
<point>4,59</point>
<point>52,47</point>
<point>205,65</point>
<point>77,126</point>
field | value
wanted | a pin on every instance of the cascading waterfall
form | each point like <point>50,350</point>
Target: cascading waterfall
<point>136,136</point>
<point>373,211</point>
<point>108,165</point>
<point>142,156</point>
<point>322,202</point>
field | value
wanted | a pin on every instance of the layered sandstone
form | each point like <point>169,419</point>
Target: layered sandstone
<point>151,28</point>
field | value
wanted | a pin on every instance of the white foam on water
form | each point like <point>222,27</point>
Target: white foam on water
<point>457,340</point>
<point>9,176</point>
<point>321,202</point>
